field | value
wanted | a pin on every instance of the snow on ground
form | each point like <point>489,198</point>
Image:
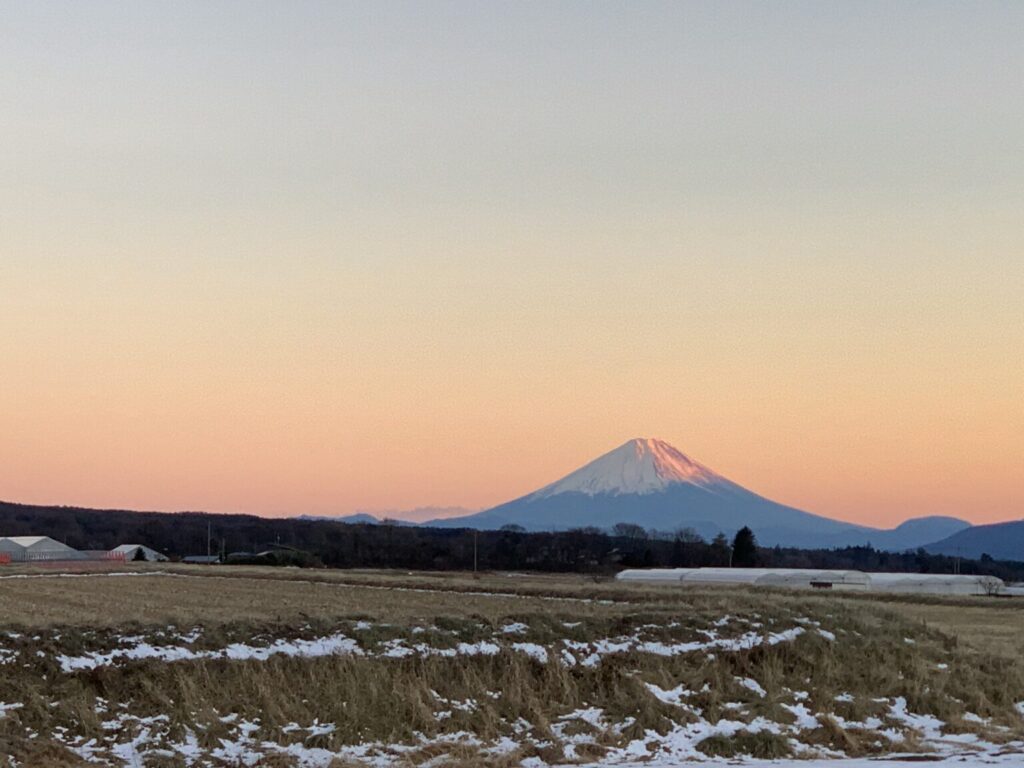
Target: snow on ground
<point>958,761</point>
<point>676,748</point>
<point>93,575</point>
<point>324,646</point>
<point>752,685</point>
<point>247,743</point>
<point>586,653</point>
<point>132,740</point>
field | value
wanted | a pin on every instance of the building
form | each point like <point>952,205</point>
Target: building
<point>27,549</point>
<point>139,552</point>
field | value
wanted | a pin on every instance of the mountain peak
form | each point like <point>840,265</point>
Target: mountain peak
<point>642,465</point>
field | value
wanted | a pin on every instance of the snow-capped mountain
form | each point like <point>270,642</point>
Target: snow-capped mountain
<point>651,483</point>
<point>639,466</point>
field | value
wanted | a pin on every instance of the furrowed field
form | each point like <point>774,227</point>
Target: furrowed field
<point>248,666</point>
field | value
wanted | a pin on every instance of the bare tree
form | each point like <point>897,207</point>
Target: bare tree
<point>630,531</point>
<point>687,536</point>
<point>990,585</point>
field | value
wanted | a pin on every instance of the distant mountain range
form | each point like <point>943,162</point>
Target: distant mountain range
<point>1002,541</point>
<point>650,483</point>
<point>645,482</point>
<point>397,516</point>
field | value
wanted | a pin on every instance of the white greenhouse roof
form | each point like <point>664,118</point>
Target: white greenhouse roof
<point>931,583</point>
<point>890,578</point>
<point>28,541</point>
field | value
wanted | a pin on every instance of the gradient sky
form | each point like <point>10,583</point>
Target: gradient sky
<point>311,257</point>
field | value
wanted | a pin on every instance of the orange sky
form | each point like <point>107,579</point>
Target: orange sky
<point>374,261</point>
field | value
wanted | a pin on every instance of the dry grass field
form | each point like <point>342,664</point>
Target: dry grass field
<point>182,666</point>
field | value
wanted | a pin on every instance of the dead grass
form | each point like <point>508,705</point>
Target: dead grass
<point>955,664</point>
<point>763,745</point>
<point>113,601</point>
<point>995,627</point>
<point>223,594</point>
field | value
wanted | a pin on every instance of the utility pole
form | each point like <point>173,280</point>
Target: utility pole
<point>475,535</point>
<point>208,534</point>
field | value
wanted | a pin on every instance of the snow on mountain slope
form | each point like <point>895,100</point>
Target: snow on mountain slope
<point>643,465</point>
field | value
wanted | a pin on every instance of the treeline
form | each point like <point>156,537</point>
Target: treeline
<point>401,546</point>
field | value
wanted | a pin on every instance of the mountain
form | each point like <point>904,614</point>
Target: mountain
<point>650,483</point>
<point>912,533</point>
<point>393,516</point>
<point>355,518</point>
<point>1003,541</point>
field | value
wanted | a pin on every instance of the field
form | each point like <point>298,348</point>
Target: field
<point>177,666</point>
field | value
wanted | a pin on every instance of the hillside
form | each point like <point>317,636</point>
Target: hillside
<point>1002,541</point>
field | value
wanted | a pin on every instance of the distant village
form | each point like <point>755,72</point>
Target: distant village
<point>36,549</point>
<point>44,549</point>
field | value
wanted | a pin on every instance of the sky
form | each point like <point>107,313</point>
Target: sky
<point>311,257</point>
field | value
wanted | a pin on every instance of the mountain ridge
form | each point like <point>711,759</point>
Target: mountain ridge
<point>997,540</point>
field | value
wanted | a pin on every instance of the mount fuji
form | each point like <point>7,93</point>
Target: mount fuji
<point>650,483</point>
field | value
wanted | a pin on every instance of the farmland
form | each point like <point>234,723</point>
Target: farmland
<point>171,666</point>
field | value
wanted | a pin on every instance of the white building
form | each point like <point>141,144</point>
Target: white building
<point>139,552</point>
<point>22,549</point>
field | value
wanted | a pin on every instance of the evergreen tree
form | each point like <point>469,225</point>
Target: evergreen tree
<point>744,549</point>
<point>719,550</point>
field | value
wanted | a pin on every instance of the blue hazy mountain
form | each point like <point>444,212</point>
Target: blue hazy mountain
<point>391,516</point>
<point>1003,541</point>
<point>650,483</point>
<point>363,518</point>
<point>916,531</point>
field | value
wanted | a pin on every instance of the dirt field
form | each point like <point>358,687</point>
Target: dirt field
<point>43,598</point>
<point>219,596</point>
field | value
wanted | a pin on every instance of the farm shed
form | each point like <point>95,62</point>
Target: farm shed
<point>139,552</point>
<point>35,548</point>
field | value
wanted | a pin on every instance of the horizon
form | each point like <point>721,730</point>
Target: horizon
<point>425,514</point>
<point>340,257</point>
